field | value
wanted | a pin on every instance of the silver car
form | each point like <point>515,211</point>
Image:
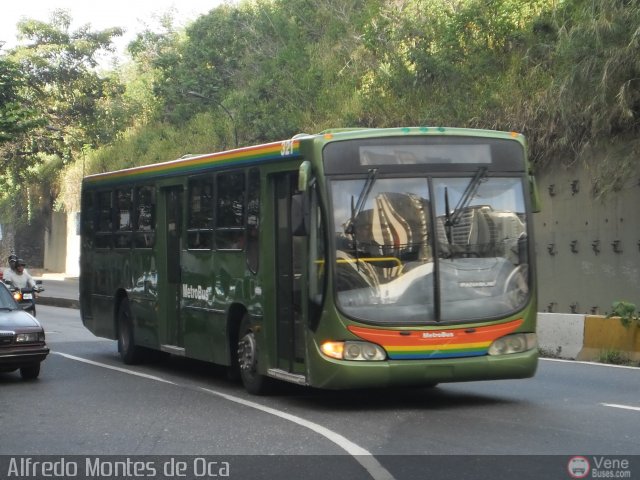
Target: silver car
<point>22,342</point>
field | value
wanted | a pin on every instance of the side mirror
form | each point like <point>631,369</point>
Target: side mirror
<point>523,253</point>
<point>299,214</point>
<point>304,176</point>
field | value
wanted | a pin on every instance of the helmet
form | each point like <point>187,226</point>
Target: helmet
<point>21,262</point>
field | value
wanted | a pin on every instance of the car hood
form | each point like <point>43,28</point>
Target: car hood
<point>10,320</point>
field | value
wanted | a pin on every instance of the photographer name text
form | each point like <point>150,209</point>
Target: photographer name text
<point>96,467</point>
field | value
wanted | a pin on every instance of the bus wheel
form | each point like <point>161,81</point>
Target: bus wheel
<point>129,352</point>
<point>253,382</point>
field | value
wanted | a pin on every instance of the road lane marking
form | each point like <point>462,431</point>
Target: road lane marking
<point>597,364</point>
<point>117,369</point>
<point>361,455</point>
<point>623,407</point>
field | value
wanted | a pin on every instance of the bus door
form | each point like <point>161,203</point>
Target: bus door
<point>173,338</point>
<point>290,259</point>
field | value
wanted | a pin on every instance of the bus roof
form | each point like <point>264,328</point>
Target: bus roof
<point>197,163</point>
<point>280,150</point>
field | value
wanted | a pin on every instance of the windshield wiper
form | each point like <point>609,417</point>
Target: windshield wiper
<point>452,219</point>
<point>349,228</point>
<point>447,214</point>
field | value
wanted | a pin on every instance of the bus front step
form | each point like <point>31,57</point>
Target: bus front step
<point>173,350</point>
<point>287,376</point>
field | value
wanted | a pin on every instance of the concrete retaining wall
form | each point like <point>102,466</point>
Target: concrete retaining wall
<point>561,334</point>
<point>55,245</point>
<point>586,337</point>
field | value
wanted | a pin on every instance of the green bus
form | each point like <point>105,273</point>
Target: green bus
<point>353,258</point>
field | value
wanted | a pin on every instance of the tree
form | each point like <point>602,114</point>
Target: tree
<point>54,72</point>
<point>15,118</point>
<point>63,82</point>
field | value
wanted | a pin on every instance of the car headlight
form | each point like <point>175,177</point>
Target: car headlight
<point>516,343</point>
<point>350,350</point>
<point>31,337</point>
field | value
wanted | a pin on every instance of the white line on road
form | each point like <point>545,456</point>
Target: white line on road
<point>361,455</point>
<point>623,407</point>
<point>117,369</point>
<point>594,364</point>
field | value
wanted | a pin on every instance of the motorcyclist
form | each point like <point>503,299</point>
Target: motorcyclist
<point>13,258</point>
<point>19,277</point>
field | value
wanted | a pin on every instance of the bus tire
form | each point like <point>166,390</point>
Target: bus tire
<point>247,355</point>
<point>129,352</point>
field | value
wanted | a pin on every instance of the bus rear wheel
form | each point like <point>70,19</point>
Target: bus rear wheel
<point>247,356</point>
<point>129,352</point>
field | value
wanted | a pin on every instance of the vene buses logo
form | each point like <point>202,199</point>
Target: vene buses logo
<point>578,467</point>
<point>197,293</point>
<point>599,467</point>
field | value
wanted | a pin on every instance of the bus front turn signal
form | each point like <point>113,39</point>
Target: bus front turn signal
<point>350,350</point>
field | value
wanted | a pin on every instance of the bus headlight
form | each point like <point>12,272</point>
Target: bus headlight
<point>350,350</point>
<point>516,343</point>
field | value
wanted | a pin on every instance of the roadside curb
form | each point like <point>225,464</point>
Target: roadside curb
<point>58,302</point>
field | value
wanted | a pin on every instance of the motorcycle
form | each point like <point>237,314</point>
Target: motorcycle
<point>26,297</point>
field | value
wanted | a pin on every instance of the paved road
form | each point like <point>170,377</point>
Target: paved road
<point>59,291</point>
<point>88,402</point>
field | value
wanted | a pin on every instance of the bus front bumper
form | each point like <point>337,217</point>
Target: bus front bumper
<point>340,374</point>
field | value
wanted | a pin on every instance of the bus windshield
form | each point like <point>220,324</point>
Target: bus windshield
<point>423,250</point>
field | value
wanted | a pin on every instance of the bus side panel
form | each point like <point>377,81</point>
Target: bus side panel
<point>202,314</point>
<point>106,278</point>
<point>219,285</point>
<point>143,296</point>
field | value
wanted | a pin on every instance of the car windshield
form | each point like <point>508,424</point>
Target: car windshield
<point>388,257</point>
<point>6,300</point>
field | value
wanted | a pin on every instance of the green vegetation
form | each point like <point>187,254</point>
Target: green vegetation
<point>566,73</point>
<point>614,357</point>
<point>627,312</point>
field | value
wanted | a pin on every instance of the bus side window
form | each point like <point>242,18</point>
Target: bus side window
<point>88,219</point>
<point>145,217</point>
<point>104,220</point>
<point>124,227</point>
<point>230,211</point>
<point>200,213</point>
<point>253,220</point>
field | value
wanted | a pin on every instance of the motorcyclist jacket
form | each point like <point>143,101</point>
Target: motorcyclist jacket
<point>20,280</point>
